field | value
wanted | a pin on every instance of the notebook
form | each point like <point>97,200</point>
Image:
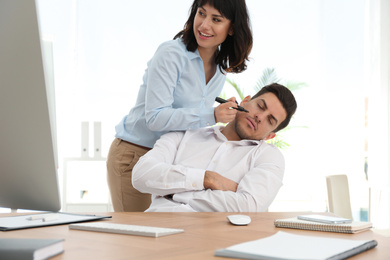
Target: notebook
<point>283,245</point>
<point>353,227</point>
<point>27,249</point>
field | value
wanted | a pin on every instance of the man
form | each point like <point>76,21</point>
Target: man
<point>226,169</point>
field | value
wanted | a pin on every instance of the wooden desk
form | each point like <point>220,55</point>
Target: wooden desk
<point>204,233</point>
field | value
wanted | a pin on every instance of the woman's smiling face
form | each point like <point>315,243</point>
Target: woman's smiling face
<point>210,27</point>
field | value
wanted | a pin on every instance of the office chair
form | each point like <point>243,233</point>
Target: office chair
<point>338,195</point>
<point>339,201</point>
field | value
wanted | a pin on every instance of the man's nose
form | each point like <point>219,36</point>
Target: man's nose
<point>259,117</point>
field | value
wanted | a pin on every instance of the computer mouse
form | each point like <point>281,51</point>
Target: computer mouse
<point>240,220</point>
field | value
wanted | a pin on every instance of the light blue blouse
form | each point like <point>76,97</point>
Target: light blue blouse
<point>174,96</point>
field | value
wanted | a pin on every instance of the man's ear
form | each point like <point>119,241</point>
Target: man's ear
<point>270,136</point>
<point>245,100</point>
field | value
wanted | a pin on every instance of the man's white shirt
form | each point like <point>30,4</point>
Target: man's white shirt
<point>173,172</point>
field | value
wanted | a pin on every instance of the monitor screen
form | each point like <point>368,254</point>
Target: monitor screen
<point>28,167</point>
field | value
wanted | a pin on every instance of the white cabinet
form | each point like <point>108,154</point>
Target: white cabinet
<point>85,186</point>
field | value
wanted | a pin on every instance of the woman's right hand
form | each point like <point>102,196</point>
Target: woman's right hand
<point>224,113</point>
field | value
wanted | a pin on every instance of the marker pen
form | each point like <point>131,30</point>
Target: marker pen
<point>239,108</point>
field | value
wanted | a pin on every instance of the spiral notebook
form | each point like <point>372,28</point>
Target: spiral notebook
<point>296,223</point>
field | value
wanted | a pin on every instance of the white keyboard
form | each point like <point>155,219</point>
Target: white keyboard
<point>126,229</point>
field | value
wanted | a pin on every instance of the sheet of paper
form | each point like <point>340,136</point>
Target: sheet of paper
<point>284,245</point>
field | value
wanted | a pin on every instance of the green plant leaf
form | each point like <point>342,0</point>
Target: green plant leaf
<point>239,90</point>
<point>294,85</point>
<point>267,77</point>
<point>279,142</point>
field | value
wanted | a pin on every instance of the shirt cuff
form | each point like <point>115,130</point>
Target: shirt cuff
<point>194,179</point>
<point>207,117</point>
<point>183,197</point>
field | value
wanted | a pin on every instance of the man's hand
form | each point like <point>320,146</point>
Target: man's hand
<point>215,181</point>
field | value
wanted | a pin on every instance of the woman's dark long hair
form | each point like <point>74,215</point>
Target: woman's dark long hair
<point>234,51</point>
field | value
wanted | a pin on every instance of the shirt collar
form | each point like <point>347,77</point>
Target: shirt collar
<point>217,131</point>
<point>193,55</point>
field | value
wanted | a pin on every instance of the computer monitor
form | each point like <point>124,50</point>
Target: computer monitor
<point>28,165</point>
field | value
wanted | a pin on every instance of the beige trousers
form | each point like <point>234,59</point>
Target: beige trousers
<point>120,162</point>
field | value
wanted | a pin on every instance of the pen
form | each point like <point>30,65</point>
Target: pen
<point>35,217</point>
<point>44,217</point>
<point>239,108</point>
<point>50,218</point>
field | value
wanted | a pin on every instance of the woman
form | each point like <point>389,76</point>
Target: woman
<point>179,88</point>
